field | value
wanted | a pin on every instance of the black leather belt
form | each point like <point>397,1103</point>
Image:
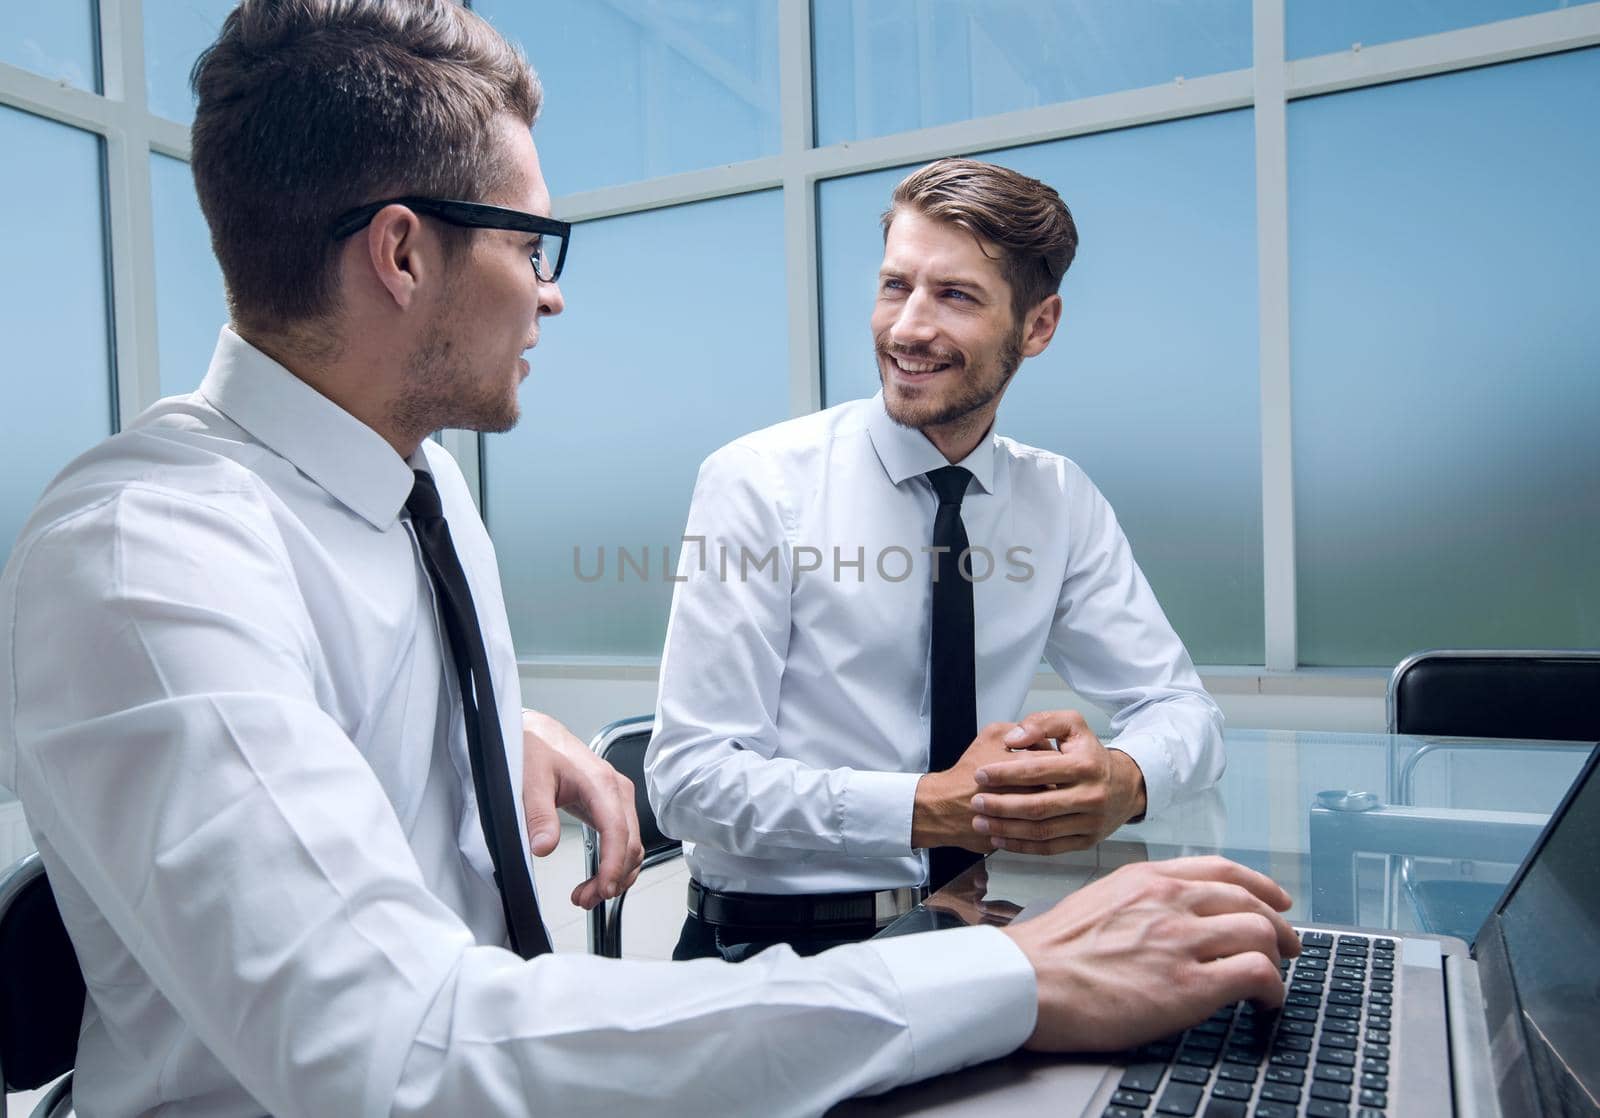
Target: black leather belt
<point>801,910</point>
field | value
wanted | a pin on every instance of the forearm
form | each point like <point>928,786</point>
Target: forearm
<point>733,798</point>
<point>779,1034</point>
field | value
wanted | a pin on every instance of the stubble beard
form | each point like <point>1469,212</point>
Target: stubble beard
<point>440,393</point>
<point>974,391</point>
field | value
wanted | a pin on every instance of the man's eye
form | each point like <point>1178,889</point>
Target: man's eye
<point>957,293</point>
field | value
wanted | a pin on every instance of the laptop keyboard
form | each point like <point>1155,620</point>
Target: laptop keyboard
<point>1325,1054</point>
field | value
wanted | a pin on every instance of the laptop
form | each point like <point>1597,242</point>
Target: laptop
<point>1375,1024</point>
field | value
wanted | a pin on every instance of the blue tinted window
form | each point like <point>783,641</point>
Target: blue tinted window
<point>1314,27</point>
<point>641,89</point>
<point>56,395</point>
<point>56,39</point>
<point>887,66</point>
<point>1445,347</point>
<point>1151,383</point>
<point>670,347</point>
<point>190,305</point>
<point>175,32</point>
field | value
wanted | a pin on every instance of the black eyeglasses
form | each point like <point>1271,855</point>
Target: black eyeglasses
<point>553,234</point>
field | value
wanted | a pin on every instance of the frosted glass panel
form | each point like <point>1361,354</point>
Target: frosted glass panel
<point>54,38</point>
<point>190,305</point>
<point>670,346</point>
<point>1446,348</point>
<point>886,66</point>
<point>1324,26</point>
<point>175,32</point>
<point>1151,383</point>
<point>55,396</point>
<point>640,88</point>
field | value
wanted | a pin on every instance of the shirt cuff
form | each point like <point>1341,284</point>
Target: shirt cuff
<point>969,995</point>
<point>875,813</point>
<point>1155,762</point>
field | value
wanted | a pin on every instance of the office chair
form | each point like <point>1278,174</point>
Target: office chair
<point>622,745</point>
<point>1493,693</point>
<point>1544,695</point>
<point>41,997</point>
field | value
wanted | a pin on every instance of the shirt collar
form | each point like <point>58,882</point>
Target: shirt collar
<point>348,459</point>
<point>906,452</point>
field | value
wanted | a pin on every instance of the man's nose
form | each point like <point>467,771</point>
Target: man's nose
<point>551,301</point>
<point>914,323</point>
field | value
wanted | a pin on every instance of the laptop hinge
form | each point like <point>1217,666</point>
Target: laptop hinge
<point>1471,1071</point>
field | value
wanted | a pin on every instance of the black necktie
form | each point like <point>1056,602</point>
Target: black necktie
<point>491,779</point>
<point>953,685</point>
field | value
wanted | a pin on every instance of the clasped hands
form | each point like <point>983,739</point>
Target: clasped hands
<point>1042,786</point>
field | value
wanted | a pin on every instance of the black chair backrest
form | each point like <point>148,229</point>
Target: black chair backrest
<point>41,997</point>
<point>625,753</point>
<point>1548,696</point>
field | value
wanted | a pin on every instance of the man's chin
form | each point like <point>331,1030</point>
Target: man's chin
<point>494,421</point>
<point>503,422</point>
<point>908,407</point>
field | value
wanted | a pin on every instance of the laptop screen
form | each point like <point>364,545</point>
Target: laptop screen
<point>1550,924</point>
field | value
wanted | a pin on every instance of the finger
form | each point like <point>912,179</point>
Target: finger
<point>602,805</point>
<point>1216,898</point>
<point>634,859</point>
<point>589,893</point>
<point>1233,933</point>
<point>1071,766</point>
<point>1045,724</point>
<point>1213,868</point>
<point>539,812</point>
<point>1047,803</point>
<point>1248,975</point>
<point>1086,824</point>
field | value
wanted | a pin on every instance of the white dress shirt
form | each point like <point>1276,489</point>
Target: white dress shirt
<point>792,720</point>
<point>228,719</point>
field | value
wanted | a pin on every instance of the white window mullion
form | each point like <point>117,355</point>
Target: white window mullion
<point>799,207</point>
<point>1486,44</point>
<point>1272,283</point>
<point>51,99</point>
<point>129,208</point>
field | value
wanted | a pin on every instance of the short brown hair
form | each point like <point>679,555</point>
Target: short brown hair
<point>1024,217</point>
<point>308,108</point>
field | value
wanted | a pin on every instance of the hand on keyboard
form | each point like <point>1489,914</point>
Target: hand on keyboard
<point>1152,949</point>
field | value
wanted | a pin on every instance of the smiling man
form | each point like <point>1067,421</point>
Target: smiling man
<point>817,743</point>
<point>259,699</point>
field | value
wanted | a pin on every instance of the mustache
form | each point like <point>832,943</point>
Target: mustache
<point>920,353</point>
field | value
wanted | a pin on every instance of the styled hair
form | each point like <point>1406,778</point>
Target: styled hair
<point>309,108</point>
<point>1025,218</point>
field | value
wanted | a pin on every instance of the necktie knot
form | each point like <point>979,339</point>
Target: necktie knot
<point>950,482</point>
<point>423,504</point>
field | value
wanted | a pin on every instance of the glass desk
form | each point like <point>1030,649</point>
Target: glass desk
<point>1381,830</point>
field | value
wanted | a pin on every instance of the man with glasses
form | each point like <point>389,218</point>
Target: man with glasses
<point>259,686</point>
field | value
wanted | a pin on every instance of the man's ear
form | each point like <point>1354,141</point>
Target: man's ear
<point>1040,326</point>
<point>400,255</point>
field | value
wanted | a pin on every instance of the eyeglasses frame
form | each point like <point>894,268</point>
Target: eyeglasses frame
<point>470,215</point>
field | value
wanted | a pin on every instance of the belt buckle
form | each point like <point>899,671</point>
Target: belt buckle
<point>891,904</point>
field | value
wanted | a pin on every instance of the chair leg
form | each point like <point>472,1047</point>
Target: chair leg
<point>613,944</point>
<point>597,932</point>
